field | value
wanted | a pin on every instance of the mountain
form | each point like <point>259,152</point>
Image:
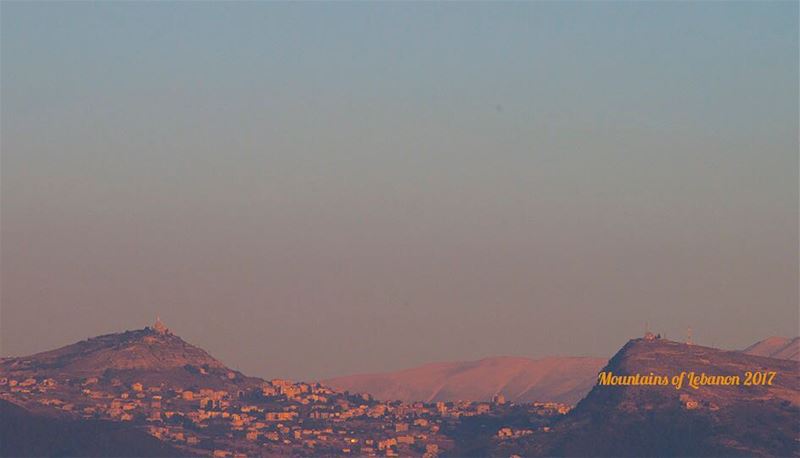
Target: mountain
<point>149,393</point>
<point>776,347</point>
<point>645,420</point>
<point>152,354</point>
<point>24,433</point>
<point>555,379</point>
<point>120,394</point>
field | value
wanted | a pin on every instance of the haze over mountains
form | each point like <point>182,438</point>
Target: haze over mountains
<point>776,347</point>
<point>99,397</point>
<point>558,379</point>
<point>158,354</point>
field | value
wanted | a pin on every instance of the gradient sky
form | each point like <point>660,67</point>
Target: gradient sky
<point>308,190</point>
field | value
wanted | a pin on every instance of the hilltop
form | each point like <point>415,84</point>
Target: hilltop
<point>100,396</point>
<point>95,397</point>
<point>557,379</point>
<point>664,421</point>
<point>153,354</point>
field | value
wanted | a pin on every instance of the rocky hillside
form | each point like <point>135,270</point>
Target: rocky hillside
<point>665,421</point>
<point>149,354</point>
<point>556,379</point>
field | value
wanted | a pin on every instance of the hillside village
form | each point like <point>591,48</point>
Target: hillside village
<point>275,417</point>
<point>151,381</point>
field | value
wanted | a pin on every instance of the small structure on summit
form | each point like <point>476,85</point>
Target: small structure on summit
<point>160,327</point>
<point>648,335</point>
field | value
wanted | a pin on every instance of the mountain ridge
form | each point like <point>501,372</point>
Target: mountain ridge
<point>136,349</point>
<point>151,354</point>
<point>731,420</point>
<point>174,390</point>
<point>776,347</point>
<point>519,379</point>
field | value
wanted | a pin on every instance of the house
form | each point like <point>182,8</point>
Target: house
<point>280,416</point>
<point>386,443</point>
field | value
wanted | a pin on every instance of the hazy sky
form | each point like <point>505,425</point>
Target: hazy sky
<point>308,190</point>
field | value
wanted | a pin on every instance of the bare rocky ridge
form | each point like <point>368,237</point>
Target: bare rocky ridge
<point>143,349</point>
<point>776,347</point>
<point>151,380</point>
<point>147,355</point>
<point>557,379</point>
<point>662,421</point>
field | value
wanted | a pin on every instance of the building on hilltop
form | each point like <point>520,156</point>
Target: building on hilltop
<point>650,336</point>
<point>160,327</point>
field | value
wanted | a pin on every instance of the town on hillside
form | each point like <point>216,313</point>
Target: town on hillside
<point>275,417</point>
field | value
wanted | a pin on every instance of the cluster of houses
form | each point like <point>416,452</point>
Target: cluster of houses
<point>276,417</point>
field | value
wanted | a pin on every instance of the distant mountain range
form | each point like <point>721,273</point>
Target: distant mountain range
<point>664,421</point>
<point>776,347</point>
<point>157,354</point>
<point>114,395</point>
<point>558,379</point>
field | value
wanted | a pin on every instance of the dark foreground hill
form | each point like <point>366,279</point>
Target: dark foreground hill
<point>23,434</point>
<point>665,421</point>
